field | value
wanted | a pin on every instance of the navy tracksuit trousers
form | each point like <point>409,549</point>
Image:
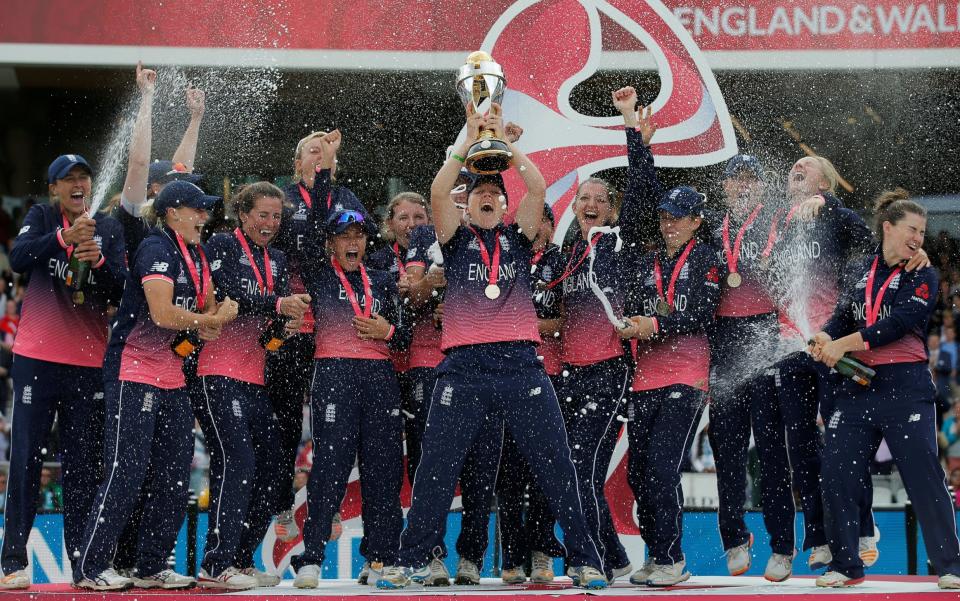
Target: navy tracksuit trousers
<point>898,406</point>
<point>523,514</point>
<point>288,380</point>
<point>596,396</point>
<point>148,444</point>
<point>354,414</point>
<point>477,480</point>
<point>469,400</point>
<point>662,427</point>
<point>74,395</point>
<point>242,438</point>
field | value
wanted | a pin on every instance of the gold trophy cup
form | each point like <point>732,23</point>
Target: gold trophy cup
<point>480,82</point>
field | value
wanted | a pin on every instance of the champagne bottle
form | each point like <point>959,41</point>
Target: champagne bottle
<point>186,342</point>
<point>78,272</point>
<point>849,367</point>
<point>275,335</point>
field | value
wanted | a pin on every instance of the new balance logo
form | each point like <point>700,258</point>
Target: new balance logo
<point>160,266</point>
<point>675,395</point>
<point>534,391</point>
<point>215,265</point>
<point>330,415</point>
<point>834,420</point>
<point>914,418</point>
<point>24,229</point>
<point>98,396</point>
<point>147,403</point>
<point>446,397</point>
<point>27,397</point>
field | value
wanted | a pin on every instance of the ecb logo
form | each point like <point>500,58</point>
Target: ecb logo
<point>547,48</point>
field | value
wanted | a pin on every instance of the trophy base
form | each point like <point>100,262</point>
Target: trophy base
<point>488,156</point>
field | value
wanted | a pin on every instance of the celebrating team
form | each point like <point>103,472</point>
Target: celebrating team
<point>507,364</point>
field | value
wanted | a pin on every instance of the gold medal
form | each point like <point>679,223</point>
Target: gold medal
<point>662,308</point>
<point>734,280</point>
<point>492,291</point>
<point>78,297</point>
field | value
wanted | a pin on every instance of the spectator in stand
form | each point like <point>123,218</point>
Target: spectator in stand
<point>954,486</point>
<point>3,490</point>
<point>9,324</point>
<point>301,478</point>
<point>6,225</point>
<point>950,432</point>
<point>51,493</point>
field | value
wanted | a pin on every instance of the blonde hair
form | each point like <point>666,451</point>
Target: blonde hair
<point>149,213</point>
<point>612,196</point>
<point>829,173</point>
<point>303,142</point>
<point>385,232</point>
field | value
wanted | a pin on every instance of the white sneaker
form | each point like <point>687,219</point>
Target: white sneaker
<point>165,579</point>
<point>837,580</point>
<point>513,575</point>
<point>949,581</point>
<point>285,526</point>
<point>397,577</point>
<point>621,571</point>
<point>738,558</point>
<point>589,578</point>
<point>668,574</point>
<point>869,553</point>
<point>370,572</point>
<point>263,578</point>
<point>541,568</point>
<point>15,580</point>
<point>308,576</point>
<point>641,576</point>
<point>779,567</point>
<point>435,574</point>
<point>467,573</point>
<point>230,579</point>
<point>820,557</point>
<point>107,580</point>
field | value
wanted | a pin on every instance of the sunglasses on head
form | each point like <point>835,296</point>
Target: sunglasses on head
<point>350,217</point>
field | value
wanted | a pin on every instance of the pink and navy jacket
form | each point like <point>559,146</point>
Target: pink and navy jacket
<point>426,338</point>
<point>392,258</point>
<point>547,300</point>
<point>679,352</point>
<point>587,335</point>
<point>299,238</point>
<point>139,349</point>
<point>899,333</point>
<point>237,353</point>
<point>817,250</point>
<point>52,327</point>
<point>469,317</point>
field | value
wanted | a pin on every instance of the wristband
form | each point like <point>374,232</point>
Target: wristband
<point>390,333</point>
<point>458,157</point>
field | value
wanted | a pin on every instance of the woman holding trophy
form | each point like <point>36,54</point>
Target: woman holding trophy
<point>491,377</point>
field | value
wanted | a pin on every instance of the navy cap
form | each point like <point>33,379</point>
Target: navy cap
<point>495,179</point>
<point>162,172</point>
<point>683,201</point>
<point>183,194</point>
<point>742,162</point>
<point>62,165</point>
<point>339,221</point>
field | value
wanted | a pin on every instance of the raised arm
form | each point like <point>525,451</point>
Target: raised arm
<point>446,217</point>
<point>644,190</point>
<point>187,151</point>
<point>138,162</point>
<point>530,211</point>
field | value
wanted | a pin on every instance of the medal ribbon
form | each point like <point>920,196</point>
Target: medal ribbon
<point>772,236</point>
<point>493,266</point>
<point>306,196</point>
<point>873,311</point>
<point>66,224</point>
<point>354,301</point>
<point>733,257</point>
<point>253,264</point>
<point>401,268</point>
<point>568,270</point>
<point>199,285</point>
<point>658,275</point>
